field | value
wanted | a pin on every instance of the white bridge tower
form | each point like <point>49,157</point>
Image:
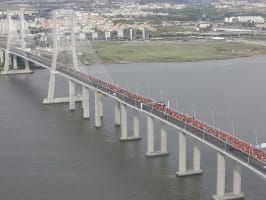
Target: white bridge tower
<point>10,61</point>
<point>72,98</point>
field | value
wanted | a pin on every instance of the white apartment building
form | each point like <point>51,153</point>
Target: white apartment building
<point>245,19</point>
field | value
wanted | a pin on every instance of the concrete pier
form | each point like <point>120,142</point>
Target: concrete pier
<point>136,133</point>
<point>14,70</point>
<point>220,182</point>
<point>97,99</point>
<point>150,136</point>
<point>124,132</point>
<point>117,114</point>
<point>51,88</point>
<point>1,57</point>
<point>101,105</point>
<point>182,153</point>
<point>220,187</point>
<point>163,146</point>
<point>60,100</point>
<point>237,180</point>
<point>15,62</point>
<point>7,55</point>
<point>7,63</point>
<point>27,66</point>
<point>182,159</point>
<point>150,139</point>
<point>196,157</point>
<point>123,117</point>
<point>51,93</point>
<point>72,103</point>
<point>85,102</point>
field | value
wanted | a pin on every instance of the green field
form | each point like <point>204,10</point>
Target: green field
<point>163,51</point>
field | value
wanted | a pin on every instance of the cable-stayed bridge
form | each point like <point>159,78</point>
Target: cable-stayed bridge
<point>226,145</point>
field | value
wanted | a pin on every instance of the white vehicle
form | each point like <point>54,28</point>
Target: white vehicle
<point>162,103</point>
<point>261,146</point>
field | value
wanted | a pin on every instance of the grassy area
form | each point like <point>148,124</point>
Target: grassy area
<point>163,51</point>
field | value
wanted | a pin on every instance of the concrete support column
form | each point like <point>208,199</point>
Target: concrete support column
<point>51,89</point>
<point>10,60</point>
<point>15,62</point>
<point>123,118</point>
<point>183,171</point>
<point>136,124</point>
<point>97,100</point>
<point>163,137</point>
<point>220,187</point>
<point>1,57</point>
<point>220,181</point>
<point>150,139</point>
<point>237,181</point>
<point>7,61</point>
<point>117,114</point>
<point>71,95</point>
<point>196,156</point>
<point>7,55</point>
<point>124,134</point>
<point>150,135</point>
<point>101,105</point>
<point>182,153</point>
<point>27,66</point>
<point>85,102</point>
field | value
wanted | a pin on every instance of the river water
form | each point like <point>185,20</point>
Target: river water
<point>49,152</point>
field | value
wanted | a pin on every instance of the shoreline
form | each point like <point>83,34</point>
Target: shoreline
<point>229,60</point>
<point>185,61</point>
<point>158,62</point>
<point>127,52</point>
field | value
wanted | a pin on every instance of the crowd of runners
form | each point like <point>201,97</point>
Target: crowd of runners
<point>236,142</point>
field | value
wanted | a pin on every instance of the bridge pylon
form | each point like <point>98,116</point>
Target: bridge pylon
<point>12,57</point>
<point>6,53</point>
<point>73,97</point>
<point>22,39</point>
